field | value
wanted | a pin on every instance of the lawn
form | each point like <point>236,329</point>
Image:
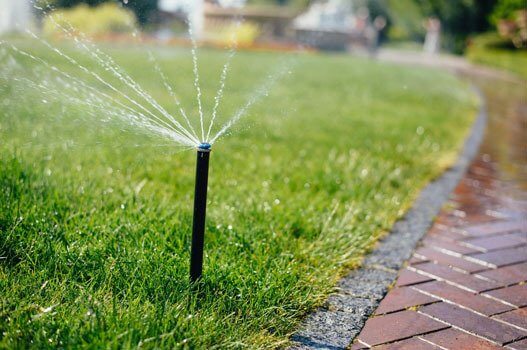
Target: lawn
<point>95,216</point>
<point>489,50</point>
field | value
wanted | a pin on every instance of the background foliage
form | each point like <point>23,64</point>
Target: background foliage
<point>103,19</point>
<point>460,18</point>
<point>143,9</point>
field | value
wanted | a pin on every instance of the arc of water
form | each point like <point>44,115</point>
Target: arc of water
<point>167,85</point>
<point>172,92</point>
<point>147,97</point>
<point>223,77</point>
<point>259,93</point>
<point>157,121</point>
<point>107,62</point>
<point>98,104</point>
<point>110,86</point>
<point>195,69</point>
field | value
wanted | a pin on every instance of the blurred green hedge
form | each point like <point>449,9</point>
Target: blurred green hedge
<point>106,18</point>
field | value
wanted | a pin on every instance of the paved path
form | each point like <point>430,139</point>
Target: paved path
<point>466,285</point>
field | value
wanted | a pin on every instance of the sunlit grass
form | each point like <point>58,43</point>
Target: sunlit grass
<point>489,50</point>
<point>95,218</point>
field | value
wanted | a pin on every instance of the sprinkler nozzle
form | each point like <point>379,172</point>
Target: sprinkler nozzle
<point>204,147</point>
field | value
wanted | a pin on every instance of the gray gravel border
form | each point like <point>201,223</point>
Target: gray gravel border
<point>339,321</point>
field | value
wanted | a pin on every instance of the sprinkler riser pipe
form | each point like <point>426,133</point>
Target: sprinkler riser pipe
<point>200,211</point>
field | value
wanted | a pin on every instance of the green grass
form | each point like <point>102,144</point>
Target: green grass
<point>489,50</point>
<point>95,217</point>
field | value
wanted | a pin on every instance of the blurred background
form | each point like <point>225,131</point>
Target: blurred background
<point>322,153</point>
<point>357,26</point>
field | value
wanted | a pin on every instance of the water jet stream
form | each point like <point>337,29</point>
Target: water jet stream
<point>195,69</point>
<point>223,77</point>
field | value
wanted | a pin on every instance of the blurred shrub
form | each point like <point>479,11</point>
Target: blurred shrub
<point>407,21</point>
<point>510,18</point>
<point>244,34</point>
<point>92,21</point>
<point>143,9</point>
<point>507,10</point>
<point>459,19</point>
<point>491,49</point>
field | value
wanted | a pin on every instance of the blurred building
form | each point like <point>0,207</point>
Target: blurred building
<point>14,15</point>
<point>326,24</point>
<point>334,25</point>
<point>190,11</point>
<point>211,16</point>
<point>272,22</point>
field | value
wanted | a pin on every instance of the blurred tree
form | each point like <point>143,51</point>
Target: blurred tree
<point>143,9</point>
<point>406,20</point>
<point>459,19</point>
<point>506,9</point>
<point>294,3</point>
<point>510,18</point>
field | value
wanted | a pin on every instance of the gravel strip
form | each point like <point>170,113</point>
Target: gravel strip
<point>340,320</point>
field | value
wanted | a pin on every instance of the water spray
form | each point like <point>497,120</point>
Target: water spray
<point>200,210</point>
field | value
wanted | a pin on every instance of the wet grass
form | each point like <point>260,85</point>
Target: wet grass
<point>95,217</point>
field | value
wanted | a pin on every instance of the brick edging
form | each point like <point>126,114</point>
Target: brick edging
<point>335,325</point>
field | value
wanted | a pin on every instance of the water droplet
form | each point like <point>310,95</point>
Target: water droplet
<point>125,2</point>
<point>420,130</point>
<point>44,101</point>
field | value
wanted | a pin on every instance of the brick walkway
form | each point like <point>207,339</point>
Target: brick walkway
<point>465,287</point>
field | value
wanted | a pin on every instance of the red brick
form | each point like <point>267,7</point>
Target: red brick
<point>452,221</point>
<point>452,338</point>
<point>402,298</point>
<point>496,228</point>
<point>515,295</point>
<point>522,236</point>
<point>358,346</point>
<point>397,326</point>
<point>519,345</point>
<point>461,280</point>
<point>477,303</point>
<point>449,235</point>
<point>449,260</point>
<point>516,317</point>
<point>407,278</point>
<point>495,242</point>
<point>503,257</point>
<point>473,323</point>
<point>449,246</point>
<point>412,343</point>
<point>479,218</point>
<point>416,260</point>
<point>507,275</point>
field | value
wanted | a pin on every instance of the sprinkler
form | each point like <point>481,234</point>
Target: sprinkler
<point>200,209</point>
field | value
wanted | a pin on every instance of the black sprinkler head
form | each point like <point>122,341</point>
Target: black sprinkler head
<point>204,147</point>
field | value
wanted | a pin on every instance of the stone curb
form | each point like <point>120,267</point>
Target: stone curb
<point>335,325</point>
